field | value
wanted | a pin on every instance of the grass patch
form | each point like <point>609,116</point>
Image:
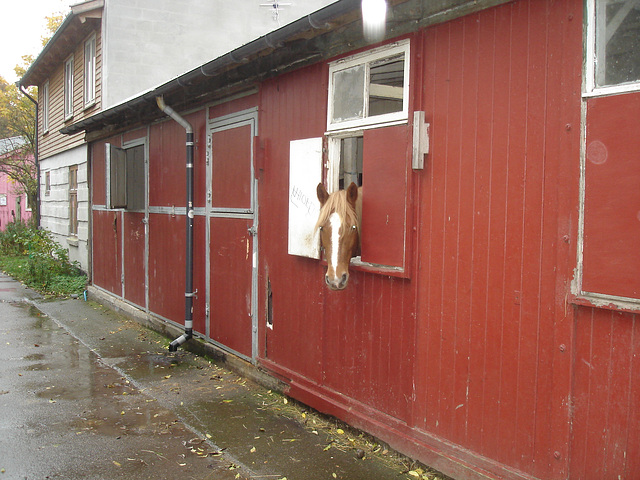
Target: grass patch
<point>34,258</point>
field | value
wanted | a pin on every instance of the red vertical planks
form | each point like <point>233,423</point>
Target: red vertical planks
<point>134,260</point>
<point>487,370</point>
<point>606,396</point>
<point>106,253</point>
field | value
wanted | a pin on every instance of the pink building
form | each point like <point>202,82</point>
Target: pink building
<point>13,206</point>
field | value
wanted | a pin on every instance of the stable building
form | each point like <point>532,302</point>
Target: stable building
<point>489,328</point>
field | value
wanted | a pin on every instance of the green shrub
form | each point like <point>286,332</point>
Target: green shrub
<point>35,258</point>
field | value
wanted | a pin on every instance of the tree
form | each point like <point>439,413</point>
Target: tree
<point>18,160</point>
<point>18,123</point>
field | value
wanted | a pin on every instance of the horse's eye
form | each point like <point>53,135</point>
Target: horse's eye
<point>353,227</point>
<point>320,228</point>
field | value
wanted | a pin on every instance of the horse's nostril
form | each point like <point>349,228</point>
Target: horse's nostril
<point>326,279</point>
<point>344,277</point>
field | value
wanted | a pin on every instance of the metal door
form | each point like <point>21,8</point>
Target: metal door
<point>231,234</point>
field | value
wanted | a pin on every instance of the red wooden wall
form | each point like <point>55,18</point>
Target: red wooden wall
<point>476,363</point>
<point>504,105</point>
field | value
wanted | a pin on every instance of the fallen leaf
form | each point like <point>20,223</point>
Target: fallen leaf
<point>413,473</point>
<point>340,431</point>
<point>253,450</point>
<point>116,463</point>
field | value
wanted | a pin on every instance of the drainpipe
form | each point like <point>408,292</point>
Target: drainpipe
<point>35,154</point>
<point>189,294</point>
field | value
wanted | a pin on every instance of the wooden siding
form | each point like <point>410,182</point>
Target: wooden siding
<point>504,105</point>
<point>53,142</point>
<point>606,398</point>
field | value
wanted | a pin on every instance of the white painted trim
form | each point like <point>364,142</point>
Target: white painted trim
<point>591,59</point>
<point>365,58</point>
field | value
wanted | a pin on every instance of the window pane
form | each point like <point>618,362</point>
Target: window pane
<point>45,107</point>
<point>348,94</point>
<point>89,70</point>
<point>617,42</point>
<point>68,88</point>
<point>386,86</point>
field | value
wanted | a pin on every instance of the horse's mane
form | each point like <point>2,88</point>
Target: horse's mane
<point>338,203</point>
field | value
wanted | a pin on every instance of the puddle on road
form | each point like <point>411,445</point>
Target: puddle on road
<point>156,364</point>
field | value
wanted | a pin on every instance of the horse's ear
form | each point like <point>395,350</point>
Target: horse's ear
<point>323,195</point>
<point>352,194</point>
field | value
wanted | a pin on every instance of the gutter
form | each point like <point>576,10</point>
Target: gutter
<point>189,293</point>
<point>35,153</point>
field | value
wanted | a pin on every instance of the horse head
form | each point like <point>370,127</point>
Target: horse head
<point>339,225</point>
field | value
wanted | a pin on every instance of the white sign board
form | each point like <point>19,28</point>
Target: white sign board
<point>305,172</point>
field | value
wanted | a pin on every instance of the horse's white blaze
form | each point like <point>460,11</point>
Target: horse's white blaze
<point>334,221</point>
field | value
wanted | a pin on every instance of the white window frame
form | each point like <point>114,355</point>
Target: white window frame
<point>365,59</point>
<point>68,88</point>
<point>591,59</point>
<point>90,71</point>
<point>45,107</point>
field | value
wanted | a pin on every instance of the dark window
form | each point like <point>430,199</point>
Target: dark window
<point>125,177</point>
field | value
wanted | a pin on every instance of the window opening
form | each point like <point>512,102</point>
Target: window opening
<point>386,86</point>
<point>125,177</point>
<point>350,162</point>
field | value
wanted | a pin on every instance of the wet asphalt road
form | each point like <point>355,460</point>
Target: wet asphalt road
<point>64,413</point>
<point>88,394</point>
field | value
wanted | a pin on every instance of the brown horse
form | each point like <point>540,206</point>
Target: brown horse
<point>339,225</point>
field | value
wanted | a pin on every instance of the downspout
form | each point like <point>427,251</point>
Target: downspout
<point>189,294</point>
<point>35,154</point>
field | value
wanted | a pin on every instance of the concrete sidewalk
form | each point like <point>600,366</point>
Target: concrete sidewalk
<point>224,425</point>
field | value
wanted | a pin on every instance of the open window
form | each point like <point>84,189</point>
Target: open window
<point>369,142</point>
<point>376,159</point>
<point>125,177</point>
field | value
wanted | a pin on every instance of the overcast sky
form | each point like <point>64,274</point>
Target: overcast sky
<point>22,24</point>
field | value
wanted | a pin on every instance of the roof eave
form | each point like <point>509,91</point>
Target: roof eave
<point>326,33</point>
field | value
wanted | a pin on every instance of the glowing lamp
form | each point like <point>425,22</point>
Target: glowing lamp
<point>374,17</point>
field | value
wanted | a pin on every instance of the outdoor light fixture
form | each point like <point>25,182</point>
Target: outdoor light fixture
<point>374,16</point>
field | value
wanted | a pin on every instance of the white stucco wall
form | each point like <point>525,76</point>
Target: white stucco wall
<point>54,204</point>
<point>148,42</point>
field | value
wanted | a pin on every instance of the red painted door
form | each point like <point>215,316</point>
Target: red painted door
<point>231,239</point>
